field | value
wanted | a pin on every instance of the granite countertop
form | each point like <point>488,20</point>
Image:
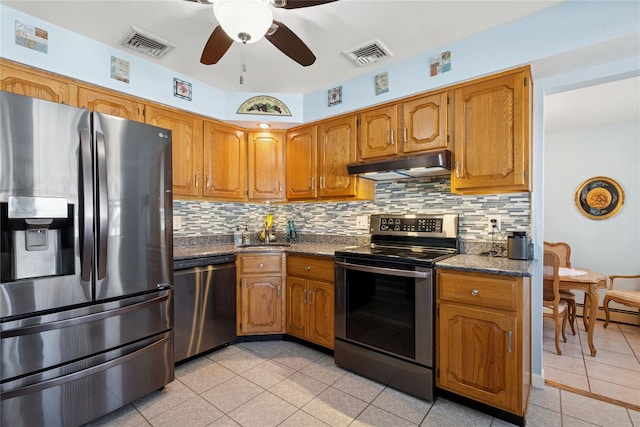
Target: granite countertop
<point>317,249</point>
<point>488,264</point>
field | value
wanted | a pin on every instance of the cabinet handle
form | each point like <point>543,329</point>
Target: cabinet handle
<point>304,296</point>
<point>510,335</point>
<point>310,297</point>
<point>208,181</point>
<point>457,172</point>
<point>313,183</point>
<point>196,180</point>
<point>278,291</point>
<point>307,268</point>
<point>405,135</point>
<point>474,292</point>
<point>280,187</point>
<point>260,265</point>
<point>393,142</point>
<point>321,182</point>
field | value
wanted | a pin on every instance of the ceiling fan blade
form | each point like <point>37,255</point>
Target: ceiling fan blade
<point>297,4</point>
<point>218,43</point>
<point>290,44</point>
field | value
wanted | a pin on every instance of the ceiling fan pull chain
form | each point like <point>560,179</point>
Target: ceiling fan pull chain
<point>243,66</point>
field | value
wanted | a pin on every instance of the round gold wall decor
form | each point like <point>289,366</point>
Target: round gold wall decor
<point>599,197</point>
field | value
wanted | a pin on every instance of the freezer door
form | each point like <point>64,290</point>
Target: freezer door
<point>134,246</point>
<point>35,345</point>
<point>45,178</point>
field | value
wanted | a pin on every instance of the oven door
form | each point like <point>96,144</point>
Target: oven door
<point>387,307</point>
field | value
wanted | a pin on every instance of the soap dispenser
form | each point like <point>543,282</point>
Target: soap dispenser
<point>237,236</point>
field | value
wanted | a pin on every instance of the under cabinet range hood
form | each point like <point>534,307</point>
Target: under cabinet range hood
<point>428,164</point>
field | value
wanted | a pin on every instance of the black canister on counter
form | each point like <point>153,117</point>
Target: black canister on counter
<point>517,245</point>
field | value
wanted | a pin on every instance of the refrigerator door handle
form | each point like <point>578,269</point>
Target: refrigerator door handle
<point>86,214</point>
<point>103,206</point>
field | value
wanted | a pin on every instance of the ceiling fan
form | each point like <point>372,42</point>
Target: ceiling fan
<point>247,21</point>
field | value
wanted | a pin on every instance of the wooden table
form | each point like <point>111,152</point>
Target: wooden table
<point>589,284</point>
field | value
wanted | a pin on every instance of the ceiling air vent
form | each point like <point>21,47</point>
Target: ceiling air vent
<point>147,43</point>
<point>368,53</point>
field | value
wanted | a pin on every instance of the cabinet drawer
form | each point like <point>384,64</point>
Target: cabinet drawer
<point>259,264</point>
<point>478,289</point>
<point>310,268</point>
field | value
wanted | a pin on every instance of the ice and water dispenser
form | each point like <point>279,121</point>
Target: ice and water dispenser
<point>37,237</point>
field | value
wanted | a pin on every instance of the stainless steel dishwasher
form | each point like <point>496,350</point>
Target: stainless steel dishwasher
<point>205,304</point>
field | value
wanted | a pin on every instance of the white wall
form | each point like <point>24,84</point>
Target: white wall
<point>612,245</point>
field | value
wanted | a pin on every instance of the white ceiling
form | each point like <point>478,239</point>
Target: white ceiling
<point>407,28</point>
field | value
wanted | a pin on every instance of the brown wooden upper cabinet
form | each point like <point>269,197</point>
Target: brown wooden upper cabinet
<point>111,103</point>
<point>186,151</point>
<point>492,148</point>
<point>317,158</point>
<point>414,126</point>
<point>302,149</point>
<point>225,162</point>
<point>336,149</point>
<point>266,171</point>
<point>37,84</point>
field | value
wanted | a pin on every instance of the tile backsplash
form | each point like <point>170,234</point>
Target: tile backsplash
<point>424,196</point>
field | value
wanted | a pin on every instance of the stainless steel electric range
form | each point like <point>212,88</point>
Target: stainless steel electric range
<point>385,300</point>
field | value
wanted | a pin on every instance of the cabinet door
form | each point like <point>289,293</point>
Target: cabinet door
<point>108,103</point>
<point>186,148</point>
<point>492,136</point>
<point>336,149</point>
<point>378,133</point>
<point>478,355</point>
<point>23,81</point>
<point>261,305</point>
<point>321,313</point>
<point>301,163</point>
<point>297,307</point>
<point>266,166</point>
<point>425,124</point>
<point>224,162</point>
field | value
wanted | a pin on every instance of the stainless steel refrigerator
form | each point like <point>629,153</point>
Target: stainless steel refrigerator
<point>86,298</point>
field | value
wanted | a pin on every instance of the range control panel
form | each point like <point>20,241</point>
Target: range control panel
<point>420,225</point>
<point>411,225</point>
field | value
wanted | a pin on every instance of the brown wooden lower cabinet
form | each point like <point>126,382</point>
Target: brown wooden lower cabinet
<point>310,299</point>
<point>484,338</point>
<point>260,293</point>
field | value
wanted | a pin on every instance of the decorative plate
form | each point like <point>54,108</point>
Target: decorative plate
<point>265,105</point>
<point>599,197</point>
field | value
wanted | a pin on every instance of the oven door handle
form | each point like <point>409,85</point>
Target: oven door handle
<point>388,271</point>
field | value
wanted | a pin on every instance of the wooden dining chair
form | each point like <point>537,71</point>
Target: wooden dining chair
<point>552,305</point>
<point>564,252</point>
<point>628,298</point>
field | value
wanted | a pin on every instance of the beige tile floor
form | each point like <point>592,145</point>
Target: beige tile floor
<point>613,373</point>
<point>279,383</point>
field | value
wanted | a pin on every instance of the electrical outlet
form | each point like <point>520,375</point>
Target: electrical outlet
<point>177,222</point>
<point>362,222</point>
<point>494,224</point>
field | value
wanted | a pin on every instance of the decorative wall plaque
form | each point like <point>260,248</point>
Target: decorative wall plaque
<point>599,197</point>
<point>265,105</point>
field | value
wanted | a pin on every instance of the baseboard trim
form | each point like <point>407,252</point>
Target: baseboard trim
<point>592,395</point>
<point>537,381</point>
<point>615,315</point>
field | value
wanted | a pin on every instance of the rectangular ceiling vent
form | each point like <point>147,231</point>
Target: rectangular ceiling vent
<point>147,43</point>
<point>368,53</point>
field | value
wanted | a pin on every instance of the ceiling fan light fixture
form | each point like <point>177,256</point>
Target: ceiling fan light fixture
<point>245,21</point>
